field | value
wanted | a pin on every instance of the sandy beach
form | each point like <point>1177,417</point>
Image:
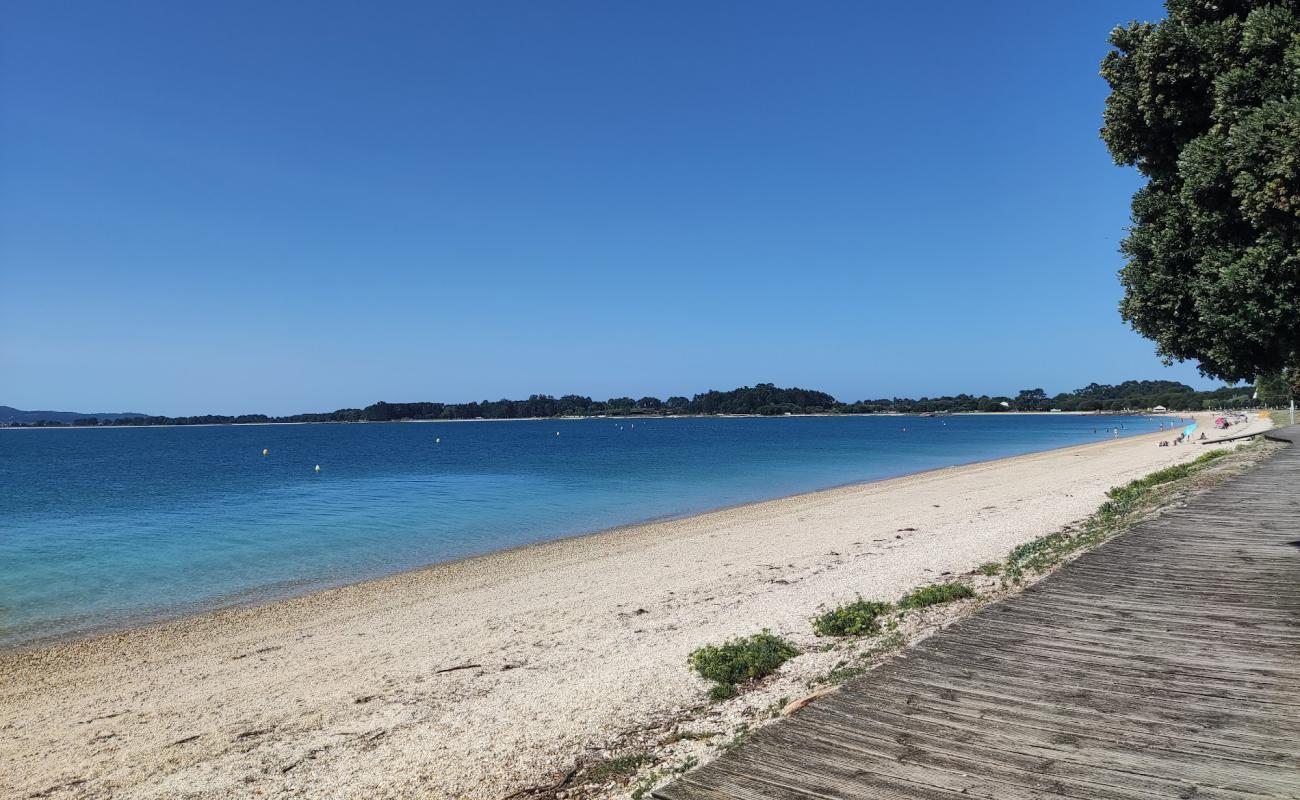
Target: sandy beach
<point>481,677</point>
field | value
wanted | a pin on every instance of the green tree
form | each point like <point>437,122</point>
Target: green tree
<point>1206,106</point>
<point>1277,389</point>
<point>1032,400</point>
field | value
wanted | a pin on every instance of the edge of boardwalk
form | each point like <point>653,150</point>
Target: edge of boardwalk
<point>1164,663</point>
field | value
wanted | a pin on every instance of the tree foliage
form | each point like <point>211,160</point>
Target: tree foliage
<point>1277,388</point>
<point>1206,105</point>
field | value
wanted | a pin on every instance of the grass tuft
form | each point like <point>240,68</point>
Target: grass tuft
<point>842,673</point>
<point>859,618</point>
<point>990,569</point>
<point>689,736</point>
<point>935,594</point>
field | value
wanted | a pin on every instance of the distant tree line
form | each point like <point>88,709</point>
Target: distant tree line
<point>764,399</point>
<point>1129,395</point>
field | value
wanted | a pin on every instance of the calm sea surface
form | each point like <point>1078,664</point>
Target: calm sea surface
<point>112,526</point>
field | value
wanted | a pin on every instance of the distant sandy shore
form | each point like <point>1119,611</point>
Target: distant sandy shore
<point>472,679</point>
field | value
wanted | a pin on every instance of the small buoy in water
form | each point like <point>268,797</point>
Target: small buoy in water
<point>318,467</point>
<point>557,433</point>
<point>266,452</point>
<point>437,441</point>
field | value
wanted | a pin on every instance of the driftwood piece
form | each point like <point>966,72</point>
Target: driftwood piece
<point>453,669</point>
<point>532,791</point>
<point>795,705</point>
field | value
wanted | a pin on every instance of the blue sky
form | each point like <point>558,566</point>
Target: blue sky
<point>285,207</point>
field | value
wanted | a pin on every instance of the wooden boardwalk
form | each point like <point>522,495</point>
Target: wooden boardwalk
<point>1166,663</point>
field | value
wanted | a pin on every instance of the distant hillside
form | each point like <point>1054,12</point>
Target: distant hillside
<point>10,415</point>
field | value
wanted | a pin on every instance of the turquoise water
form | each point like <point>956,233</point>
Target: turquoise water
<point>112,526</point>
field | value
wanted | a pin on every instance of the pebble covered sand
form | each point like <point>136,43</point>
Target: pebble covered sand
<point>478,678</point>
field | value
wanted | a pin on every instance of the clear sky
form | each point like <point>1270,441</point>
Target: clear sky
<point>281,207</point>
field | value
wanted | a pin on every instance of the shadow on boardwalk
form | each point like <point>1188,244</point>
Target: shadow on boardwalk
<point>1166,663</point>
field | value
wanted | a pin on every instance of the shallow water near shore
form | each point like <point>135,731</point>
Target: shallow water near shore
<point>114,526</point>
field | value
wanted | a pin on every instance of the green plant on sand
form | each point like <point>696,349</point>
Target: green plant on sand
<point>935,594</point>
<point>1122,507</point>
<point>859,618</point>
<point>742,659</point>
<point>618,767</point>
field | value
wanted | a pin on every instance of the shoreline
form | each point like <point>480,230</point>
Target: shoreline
<point>472,678</point>
<point>919,415</point>
<point>260,597</point>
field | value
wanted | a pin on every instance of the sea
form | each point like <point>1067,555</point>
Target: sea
<point>103,528</point>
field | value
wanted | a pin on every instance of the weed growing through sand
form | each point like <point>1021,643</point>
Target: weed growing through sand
<point>859,618</point>
<point>689,736</point>
<point>990,569</point>
<point>649,781</point>
<point>841,673</point>
<point>618,767</point>
<point>934,594</point>
<point>1121,499</point>
<point>743,659</point>
<point>844,670</point>
<point>888,644</point>
<point>645,784</point>
<point>742,733</point>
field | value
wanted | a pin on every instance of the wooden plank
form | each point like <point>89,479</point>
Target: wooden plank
<point>1165,663</point>
<point>1011,727</point>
